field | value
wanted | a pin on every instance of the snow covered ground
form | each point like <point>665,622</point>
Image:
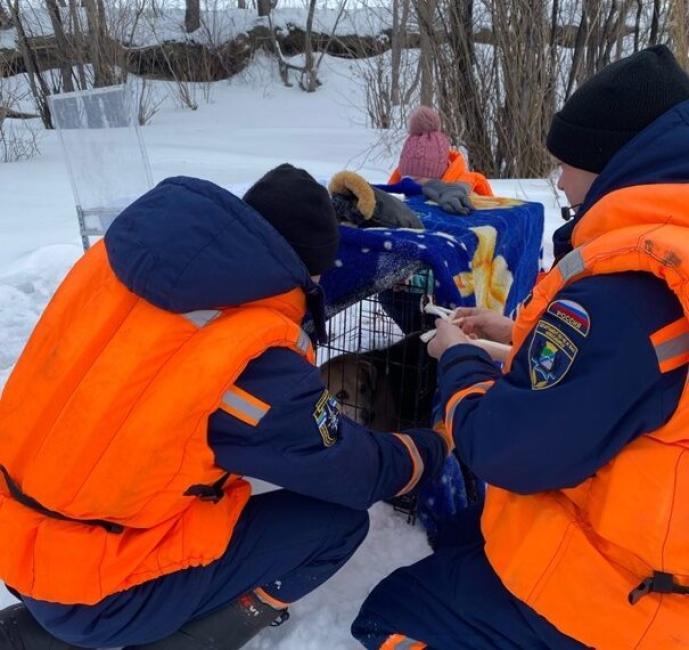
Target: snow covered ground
<point>252,124</point>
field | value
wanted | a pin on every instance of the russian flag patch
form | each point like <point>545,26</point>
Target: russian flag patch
<point>571,313</point>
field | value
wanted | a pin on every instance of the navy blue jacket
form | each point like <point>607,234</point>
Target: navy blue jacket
<point>527,440</point>
<point>190,245</point>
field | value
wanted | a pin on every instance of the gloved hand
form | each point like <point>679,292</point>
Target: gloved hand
<point>433,449</point>
<point>451,197</point>
<point>449,503</point>
<point>362,205</point>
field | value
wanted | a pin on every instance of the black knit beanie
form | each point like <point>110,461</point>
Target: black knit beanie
<point>299,208</point>
<point>611,107</point>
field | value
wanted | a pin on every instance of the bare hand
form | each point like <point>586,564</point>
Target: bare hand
<point>484,323</point>
<point>446,336</point>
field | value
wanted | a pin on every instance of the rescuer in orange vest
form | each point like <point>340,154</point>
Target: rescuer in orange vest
<point>583,435</point>
<point>170,363</point>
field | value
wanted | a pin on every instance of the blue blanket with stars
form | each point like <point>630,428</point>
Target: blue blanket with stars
<point>488,258</point>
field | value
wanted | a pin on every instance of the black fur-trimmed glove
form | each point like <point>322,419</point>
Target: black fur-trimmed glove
<point>451,197</point>
<point>360,204</point>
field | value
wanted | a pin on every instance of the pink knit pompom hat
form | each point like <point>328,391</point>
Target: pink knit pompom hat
<point>425,153</point>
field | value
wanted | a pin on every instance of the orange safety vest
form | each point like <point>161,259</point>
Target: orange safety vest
<point>457,172</point>
<point>109,480</point>
<point>578,556</point>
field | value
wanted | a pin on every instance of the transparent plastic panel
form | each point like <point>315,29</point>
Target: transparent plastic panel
<point>104,150</point>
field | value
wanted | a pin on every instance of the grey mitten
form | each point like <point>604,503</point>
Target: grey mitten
<point>451,197</point>
<point>390,212</point>
<point>358,203</point>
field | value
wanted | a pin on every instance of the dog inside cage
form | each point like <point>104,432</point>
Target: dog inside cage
<point>375,365</point>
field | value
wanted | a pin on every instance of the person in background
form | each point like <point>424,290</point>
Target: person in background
<point>428,166</point>
<point>427,156</point>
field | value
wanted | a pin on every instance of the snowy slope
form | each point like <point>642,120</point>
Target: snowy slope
<point>252,124</point>
<point>219,24</point>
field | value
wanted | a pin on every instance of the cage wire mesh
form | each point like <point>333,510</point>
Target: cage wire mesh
<point>377,367</point>
<point>380,372</point>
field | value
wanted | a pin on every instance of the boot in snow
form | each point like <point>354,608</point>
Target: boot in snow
<point>19,631</point>
<point>230,628</point>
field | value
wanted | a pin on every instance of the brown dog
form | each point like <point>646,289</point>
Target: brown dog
<point>363,395</point>
<point>384,389</point>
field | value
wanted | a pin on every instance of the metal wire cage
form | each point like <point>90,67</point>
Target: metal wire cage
<point>374,363</point>
<point>377,367</point>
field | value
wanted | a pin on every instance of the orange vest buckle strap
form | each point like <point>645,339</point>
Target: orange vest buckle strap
<point>31,503</point>
<point>659,583</point>
<point>213,492</point>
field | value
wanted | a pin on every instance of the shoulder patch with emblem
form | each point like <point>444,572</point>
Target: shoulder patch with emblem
<point>327,418</point>
<point>571,313</point>
<point>551,354</point>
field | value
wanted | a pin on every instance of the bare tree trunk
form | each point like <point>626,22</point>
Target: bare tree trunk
<point>425,10</point>
<point>550,96</point>
<point>554,15</point>
<point>78,42</point>
<point>241,4</point>
<point>308,80</point>
<point>637,24</point>
<point>579,45</point>
<point>609,36</point>
<point>192,16</point>
<point>264,7</point>
<point>5,20</point>
<point>679,31</point>
<point>396,41</point>
<point>621,29</point>
<point>521,44</point>
<point>92,41</point>
<point>63,47</point>
<point>103,31</point>
<point>461,87</point>
<point>309,76</point>
<point>95,47</point>
<point>39,88</point>
<point>593,38</point>
<point>400,17</point>
<point>655,20</point>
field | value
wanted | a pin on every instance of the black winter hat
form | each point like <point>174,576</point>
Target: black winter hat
<point>611,107</point>
<point>299,208</point>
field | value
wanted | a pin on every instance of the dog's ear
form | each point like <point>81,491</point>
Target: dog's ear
<point>369,372</point>
<point>334,365</point>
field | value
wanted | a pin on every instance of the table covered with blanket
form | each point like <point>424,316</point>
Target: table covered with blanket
<point>488,258</point>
